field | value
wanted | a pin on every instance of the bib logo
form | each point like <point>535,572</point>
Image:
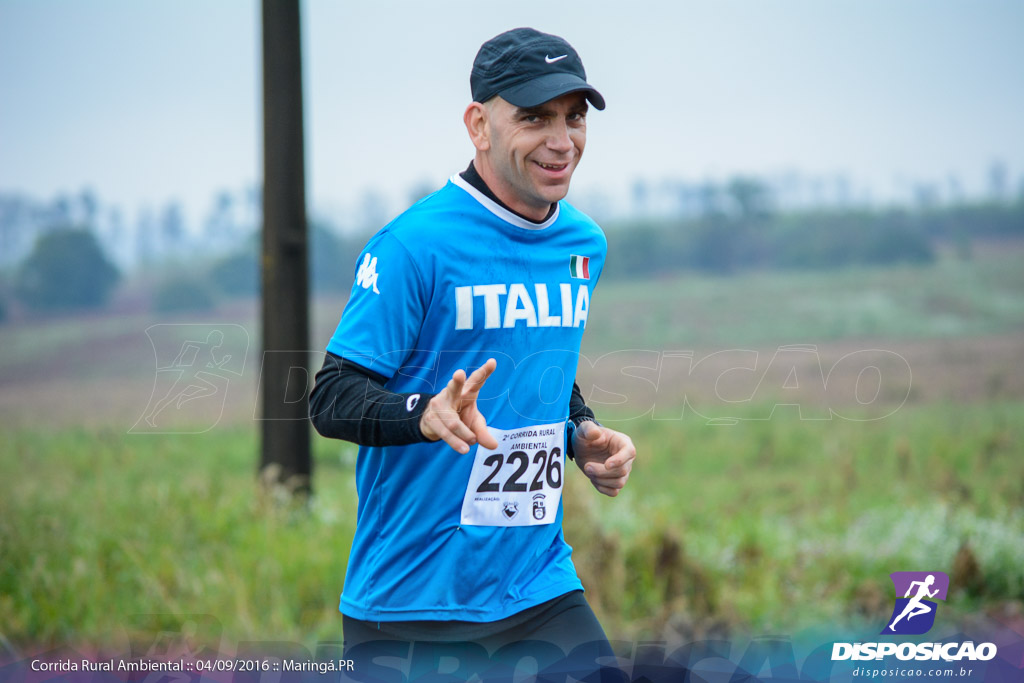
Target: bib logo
<point>538,506</point>
<point>914,613</point>
<point>510,509</point>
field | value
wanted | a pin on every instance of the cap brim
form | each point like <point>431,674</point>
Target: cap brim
<point>548,87</point>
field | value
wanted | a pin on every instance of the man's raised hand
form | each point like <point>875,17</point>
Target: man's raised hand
<point>605,456</point>
<point>452,415</point>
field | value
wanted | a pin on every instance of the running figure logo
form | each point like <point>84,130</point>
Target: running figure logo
<point>914,613</point>
<point>193,370</point>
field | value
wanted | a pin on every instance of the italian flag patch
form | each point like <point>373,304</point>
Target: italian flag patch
<point>579,267</point>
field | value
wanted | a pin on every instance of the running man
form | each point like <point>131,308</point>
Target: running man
<point>915,607</point>
<point>190,383</point>
<point>453,368</point>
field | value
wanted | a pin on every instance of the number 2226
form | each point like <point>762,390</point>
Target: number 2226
<point>550,469</point>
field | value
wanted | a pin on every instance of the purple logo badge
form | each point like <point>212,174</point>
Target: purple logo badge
<point>914,612</point>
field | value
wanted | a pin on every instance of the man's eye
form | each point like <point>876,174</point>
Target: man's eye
<point>531,118</point>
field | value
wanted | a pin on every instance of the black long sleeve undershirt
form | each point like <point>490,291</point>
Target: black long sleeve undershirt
<point>350,402</point>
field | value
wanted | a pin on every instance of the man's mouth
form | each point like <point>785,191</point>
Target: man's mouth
<point>552,167</point>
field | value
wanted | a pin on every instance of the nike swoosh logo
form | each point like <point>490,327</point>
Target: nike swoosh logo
<point>550,60</point>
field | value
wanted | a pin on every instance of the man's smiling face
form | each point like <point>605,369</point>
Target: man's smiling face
<point>532,152</point>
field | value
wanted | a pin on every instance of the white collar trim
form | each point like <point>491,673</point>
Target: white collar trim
<point>500,211</point>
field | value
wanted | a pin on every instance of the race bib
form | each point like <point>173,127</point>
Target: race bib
<point>519,483</point>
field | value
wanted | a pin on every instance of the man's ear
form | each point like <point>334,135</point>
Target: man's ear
<point>477,125</point>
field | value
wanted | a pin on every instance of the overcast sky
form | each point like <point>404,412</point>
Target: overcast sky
<point>150,101</point>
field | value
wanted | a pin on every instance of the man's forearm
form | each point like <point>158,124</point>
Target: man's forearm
<point>350,402</point>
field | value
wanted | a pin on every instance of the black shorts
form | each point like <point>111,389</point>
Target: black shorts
<point>554,640</point>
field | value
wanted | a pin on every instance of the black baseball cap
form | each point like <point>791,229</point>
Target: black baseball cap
<point>527,68</point>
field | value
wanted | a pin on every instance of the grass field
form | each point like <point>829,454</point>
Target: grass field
<point>753,527</point>
<point>762,525</point>
<point>767,526</point>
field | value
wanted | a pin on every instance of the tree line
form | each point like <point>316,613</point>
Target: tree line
<point>68,270</point>
<point>748,234</point>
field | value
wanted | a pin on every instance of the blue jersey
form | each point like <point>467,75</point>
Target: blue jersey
<point>453,281</point>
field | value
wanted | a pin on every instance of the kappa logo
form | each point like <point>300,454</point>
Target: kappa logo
<point>366,276</point>
<point>915,614</point>
<point>511,509</point>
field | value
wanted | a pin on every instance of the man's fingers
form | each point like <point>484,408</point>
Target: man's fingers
<point>597,470</point>
<point>453,417</point>
<point>618,461</point>
<point>623,451</point>
<point>476,380</point>
<point>455,387</point>
<point>445,434</point>
<point>455,442</point>
<point>456,426</point>
<point>589,431</point>
<point>609,485</point>
<point>483,436</point>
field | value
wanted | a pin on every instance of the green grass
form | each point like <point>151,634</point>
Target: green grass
<point>99,532</point>
<point>760,526</point>
<point>783,523</point>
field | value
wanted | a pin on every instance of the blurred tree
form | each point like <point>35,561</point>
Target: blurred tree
<point>844,192</point>
<point>253,205</point>
<point>90,205</point>
<point>4,289</point>
<point>332,264</point>
<point>926,196</point>
<point>238,274</point>
<point>66,270</point>
<point>752,198</point>
<point>60,210</point>
<point>716,242</point>
<point>172,228</point>
<point>954,189</point>
<point>997,180</point>
<point>640,198</point>
<point>332,260</point>
<point>145,236</point>
<point>183,293</point>
<point>220,227</point>
<point>707,198</point>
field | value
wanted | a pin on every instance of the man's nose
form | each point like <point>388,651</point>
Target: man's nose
<point>558,138</point>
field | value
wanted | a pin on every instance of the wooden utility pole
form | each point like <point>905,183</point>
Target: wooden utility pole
<point>285,460</point>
